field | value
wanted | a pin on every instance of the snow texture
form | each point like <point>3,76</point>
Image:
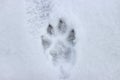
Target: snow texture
<point>59,40</point>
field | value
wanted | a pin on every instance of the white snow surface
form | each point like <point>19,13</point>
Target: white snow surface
<point>97,25</point>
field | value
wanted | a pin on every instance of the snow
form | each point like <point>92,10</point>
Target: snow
<point>97,25</point>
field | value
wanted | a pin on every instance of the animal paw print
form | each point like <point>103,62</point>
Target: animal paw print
<point>59,42</point>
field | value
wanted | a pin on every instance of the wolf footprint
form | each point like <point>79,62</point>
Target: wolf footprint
<point>58,43</point>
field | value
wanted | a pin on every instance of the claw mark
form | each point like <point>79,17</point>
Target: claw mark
<point>62,26</point>
<point>50,29</point>
<point>71,36</point>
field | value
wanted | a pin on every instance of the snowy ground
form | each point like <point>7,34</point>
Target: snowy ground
<point>97,25</point>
